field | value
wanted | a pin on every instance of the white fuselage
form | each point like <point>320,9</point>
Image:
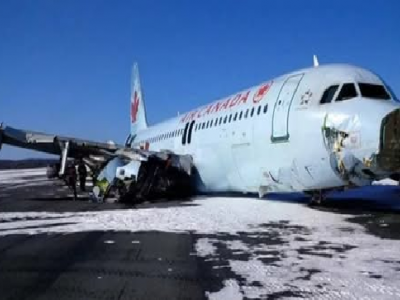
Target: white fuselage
<point>271,136</point>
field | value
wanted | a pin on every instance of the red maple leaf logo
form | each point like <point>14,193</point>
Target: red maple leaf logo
<point>262,91</point>
<point>134,107</point>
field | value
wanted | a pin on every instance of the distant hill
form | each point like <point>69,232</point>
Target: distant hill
<point>26,163</point>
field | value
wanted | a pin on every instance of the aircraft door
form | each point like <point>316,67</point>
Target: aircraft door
<point>185,133</point>
<point>190,130</point>
<point>280,117</point>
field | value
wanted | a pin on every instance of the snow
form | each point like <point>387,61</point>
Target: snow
<point>295,229</point>
<point>386,182</point>
<point>213,215</point>
<point>21,176</point>
<point>231,290</point>
<point>12,179</point>
<point>204,247</point>
<point>270,247</point>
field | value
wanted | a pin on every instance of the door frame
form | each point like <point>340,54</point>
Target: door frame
<point>285,138</point>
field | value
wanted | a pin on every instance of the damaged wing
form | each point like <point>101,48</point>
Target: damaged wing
<point>54,144</point>
<point>154,173</point>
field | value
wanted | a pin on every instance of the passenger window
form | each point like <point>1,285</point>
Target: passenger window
<point>208,123</point>
<point>230,118</point>
<point>347,92</point>
<point>240,115</point>
<point>220,121</point>
<point>235,116</point>
<point>246,113</point>
<point>226,118</point>
<point>203,126</point>
<point>252,112</point>
<point>327,97</point>
<point>265,108</point>
<point>259,110</point>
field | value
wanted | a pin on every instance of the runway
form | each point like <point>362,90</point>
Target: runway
<point>209,247</point>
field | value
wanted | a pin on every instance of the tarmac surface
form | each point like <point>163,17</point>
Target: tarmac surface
<point>52,247</point>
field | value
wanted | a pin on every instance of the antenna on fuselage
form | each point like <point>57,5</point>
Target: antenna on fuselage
<point>315,61</point>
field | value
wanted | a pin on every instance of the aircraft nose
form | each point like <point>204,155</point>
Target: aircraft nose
<point>364,146</point>
<point>388,157</point>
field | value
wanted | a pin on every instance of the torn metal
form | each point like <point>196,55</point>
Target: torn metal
<point>145,176</point>
<point>342,139</point>
<point>134,174</point>
<point>341,135</point>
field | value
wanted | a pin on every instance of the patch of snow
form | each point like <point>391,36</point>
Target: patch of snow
<point>386,181</point>
<point>204,247</point>
<point>231,290</point>
<point>20,176</point>
<point>237,245</point>
<point>214,215</point>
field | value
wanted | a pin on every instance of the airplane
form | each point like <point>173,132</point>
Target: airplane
<point>313,130</point>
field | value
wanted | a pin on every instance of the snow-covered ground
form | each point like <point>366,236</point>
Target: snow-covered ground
<point>268,247</point>
<point>343,260</point>
<point>22,175</point>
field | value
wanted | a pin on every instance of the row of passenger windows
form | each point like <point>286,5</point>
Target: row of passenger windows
<point>248,113</point>
<point>349,91</point>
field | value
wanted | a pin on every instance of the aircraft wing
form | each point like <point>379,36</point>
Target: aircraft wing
<point>95,154</point>
<point>54,144</point>
<point>79,148</point>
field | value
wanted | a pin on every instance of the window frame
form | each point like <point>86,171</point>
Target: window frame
<point>377,84</point>
<point>340,89</point>
<point>334,97</point>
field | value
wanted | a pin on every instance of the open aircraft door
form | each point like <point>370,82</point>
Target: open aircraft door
<point>186,141</point>
<point>280,117</point>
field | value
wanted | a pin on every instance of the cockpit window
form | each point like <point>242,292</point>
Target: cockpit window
<point>374,91</point>
<point>328,94</point>
<point>347,92</point>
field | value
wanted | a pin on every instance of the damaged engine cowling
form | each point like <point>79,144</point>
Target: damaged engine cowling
<point>159,176</point>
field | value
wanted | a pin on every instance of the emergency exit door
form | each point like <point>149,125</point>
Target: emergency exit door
<point>280,116</point>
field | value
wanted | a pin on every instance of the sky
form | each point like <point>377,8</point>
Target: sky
<point>65,66</point>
